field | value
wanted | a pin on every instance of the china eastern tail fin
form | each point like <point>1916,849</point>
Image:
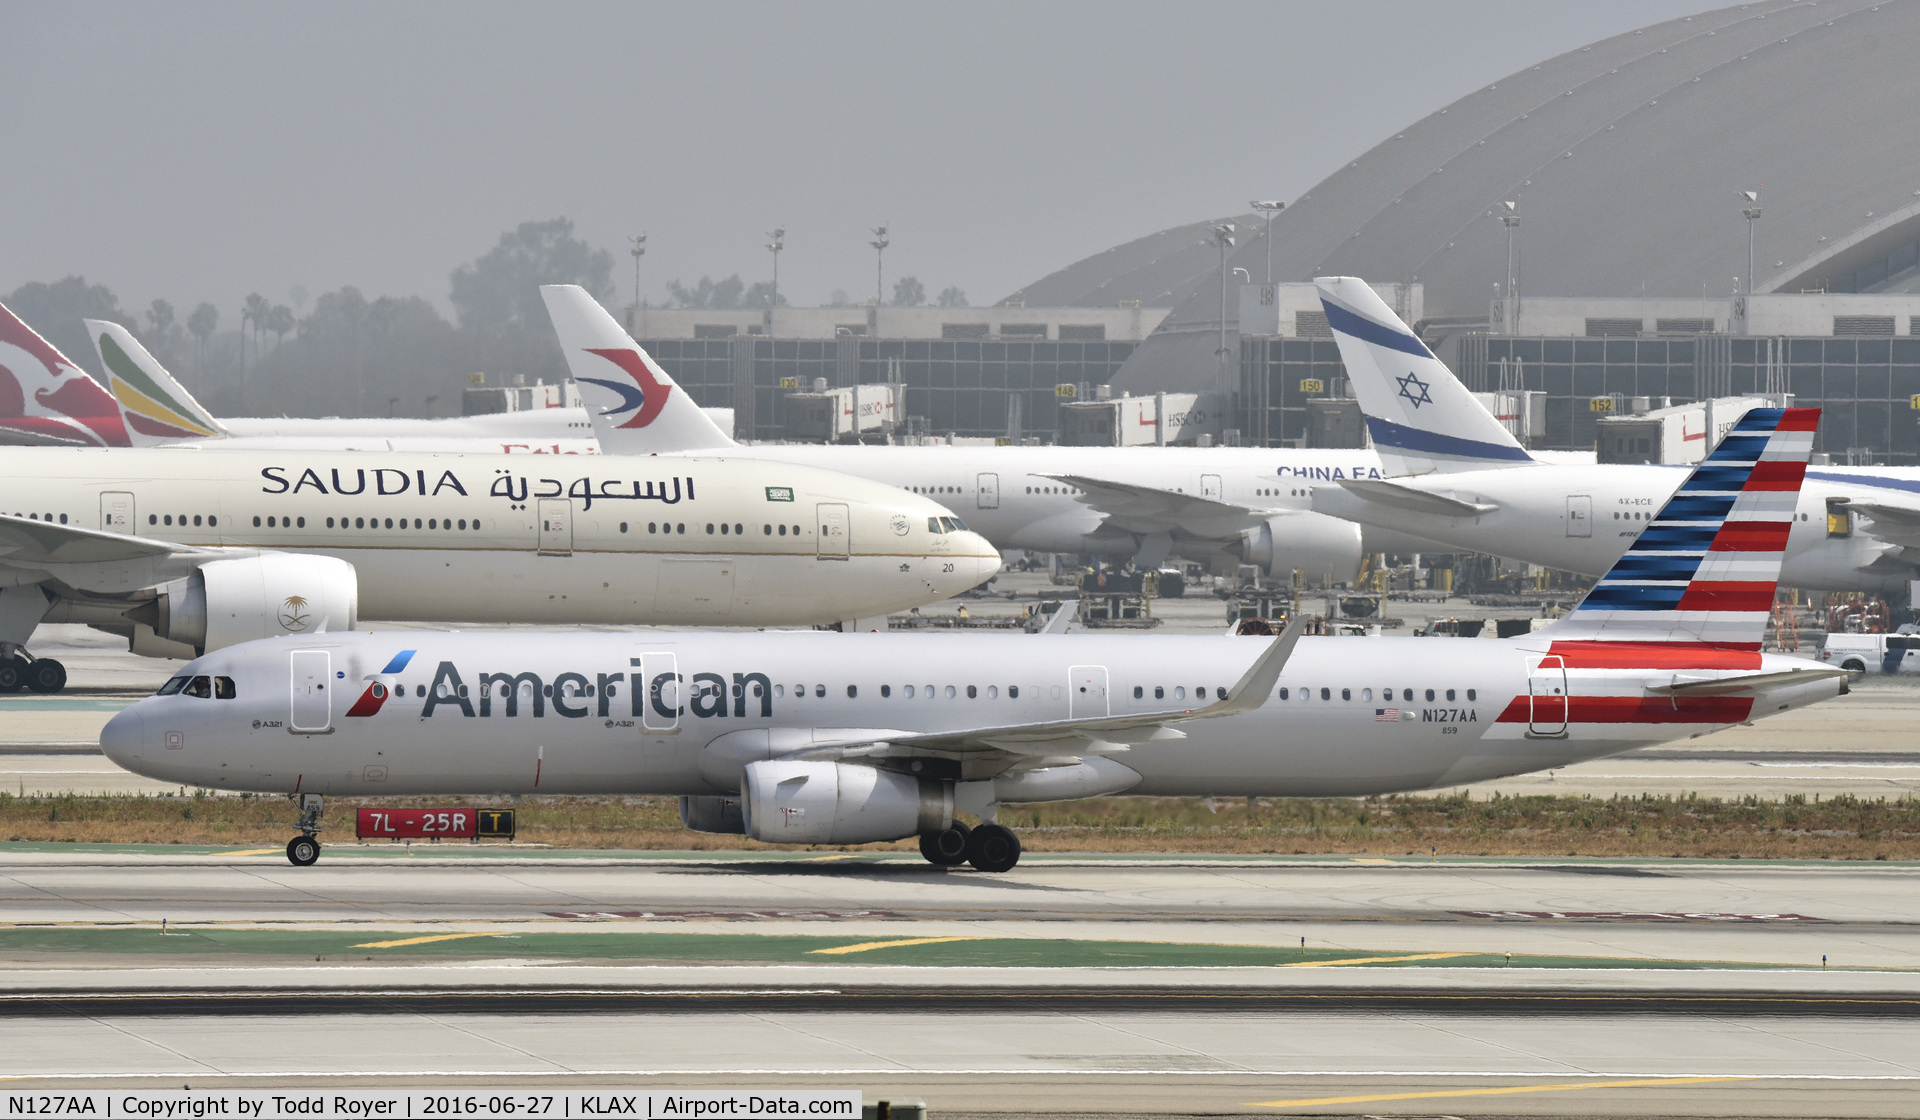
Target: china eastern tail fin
<point>1703,571</point>
<point>155,407</point>
<point>634,406</point>
<point>47,400</point>
<point>1421,418</point>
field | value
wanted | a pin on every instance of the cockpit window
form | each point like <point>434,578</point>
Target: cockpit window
<point>173,686</point>
<point>953,524</point>
<point>201,687</point>
<point>223,688</point>
<point>934,526</point>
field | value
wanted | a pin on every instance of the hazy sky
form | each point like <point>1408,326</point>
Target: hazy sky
<point>205,150</point>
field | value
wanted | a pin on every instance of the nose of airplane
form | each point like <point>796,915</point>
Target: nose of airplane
<point>122,740</point>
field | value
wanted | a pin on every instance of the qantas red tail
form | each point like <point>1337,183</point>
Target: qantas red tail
<point>47,400</point>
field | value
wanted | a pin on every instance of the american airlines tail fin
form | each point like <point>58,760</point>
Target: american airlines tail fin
<point>1421,418</point>
<point>1703,572</point>
<point>634,406</point>
<point>155,407</point>
<point>46,399</point>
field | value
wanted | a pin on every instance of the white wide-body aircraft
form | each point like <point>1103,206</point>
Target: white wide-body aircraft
<point>184,551</point>
<point>804,738</point>
<point>1224,505</point>
<point>157,411</point>
<point>1459,478</point>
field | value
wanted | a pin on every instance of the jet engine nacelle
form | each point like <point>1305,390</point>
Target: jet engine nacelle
<point>230,601</point>
<point>840,803</point>
<point>1311,542</point>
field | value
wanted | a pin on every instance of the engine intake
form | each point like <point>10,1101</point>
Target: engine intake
<point>840,803</point>
<point>1309,542</point>
<point>226,602</point>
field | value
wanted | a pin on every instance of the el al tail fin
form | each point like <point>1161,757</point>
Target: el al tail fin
<point>634,406</point>
<point>47,400</point>
<point>1703,571</point>
<point>1421,418</point>
<point>156,408</point>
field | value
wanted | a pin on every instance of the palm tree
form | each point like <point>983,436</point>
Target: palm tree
<point>201,325</point>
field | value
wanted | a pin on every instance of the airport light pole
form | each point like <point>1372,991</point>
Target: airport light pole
<point>879,244</point>
<point>779,242</point>
<point>1510,218</point>
<point>1223,238</point>
<point>1752,214</point>
<point>1269,208</point>
<point>637,249</point>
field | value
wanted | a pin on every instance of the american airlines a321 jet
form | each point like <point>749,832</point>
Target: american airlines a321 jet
<point>1221,505</point>
<point>187,551</point>
<point>157,411</point>
<point>813,738</point>
<point>1461,479</point>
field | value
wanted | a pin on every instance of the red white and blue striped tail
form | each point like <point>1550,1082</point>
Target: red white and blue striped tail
<point>1703,572</point>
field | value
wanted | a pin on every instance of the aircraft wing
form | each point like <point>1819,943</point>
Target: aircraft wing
<point>36,431</point>
<point>1401,496</point>
<point>1896,525</point>
<point>1090,736</point>
<point>1150,509</point>
<point>91,560</point>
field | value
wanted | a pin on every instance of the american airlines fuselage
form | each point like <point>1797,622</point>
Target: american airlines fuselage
<point>667,539</point>
<point>684,713</point>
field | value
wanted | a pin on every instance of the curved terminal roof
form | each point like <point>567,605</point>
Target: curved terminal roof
<point>1625,157</point>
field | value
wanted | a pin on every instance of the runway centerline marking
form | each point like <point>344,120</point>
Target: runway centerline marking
<point>420,940</point>
<point>1497,1092</point>
<point>864,946</point>
<point>1374,960</point>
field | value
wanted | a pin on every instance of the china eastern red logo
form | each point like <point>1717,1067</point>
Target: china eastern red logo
<point>644,396</point>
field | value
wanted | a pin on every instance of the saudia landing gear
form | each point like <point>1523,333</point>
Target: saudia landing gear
<point>303,849</point>
<point>20,669</point>
<point>987,846</point>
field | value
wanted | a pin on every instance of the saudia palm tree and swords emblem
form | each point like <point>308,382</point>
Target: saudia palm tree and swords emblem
<point>294,613</point>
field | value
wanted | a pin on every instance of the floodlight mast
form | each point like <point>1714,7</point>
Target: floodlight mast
<point>778,242</point>
<point>879,244</point>
<point>1223,238</point>
<point>1269,208</point>
<point>1752,214</point>
<point>1510,218</point>
<point>637,249</point>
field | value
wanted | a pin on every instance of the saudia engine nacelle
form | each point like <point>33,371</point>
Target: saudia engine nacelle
<point>230,601</point>
<point>1313,543</point>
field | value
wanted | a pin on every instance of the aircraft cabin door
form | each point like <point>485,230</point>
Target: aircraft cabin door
<point>1579,515</point>
<point>1210,487</point>
<point>1087,692</point>
<point>834,541</point>
<point>312,671</point>
<point>116,511</point>
<point>556,526</point>
<point>1547,698</point>
<point>660,677</point>
<point>988,491</point>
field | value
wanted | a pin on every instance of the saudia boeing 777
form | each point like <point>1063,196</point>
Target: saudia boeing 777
<point>187,551</point>
<point>804,738</point>
<point>1464,481</point>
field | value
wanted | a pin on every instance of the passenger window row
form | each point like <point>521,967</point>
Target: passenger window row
<point>47,517</point>
<point>202,687</point>
<point>909,692</point>
<point>1179,692</point>
<point>376,523</point>
<point>168,519</point>
<point>1366,694</point>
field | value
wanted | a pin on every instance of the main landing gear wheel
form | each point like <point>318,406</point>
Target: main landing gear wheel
<point>302,851</point>
<point>946,849</point>
<point>13,674</point>
<point>993,848</point>
<point>46,676</point>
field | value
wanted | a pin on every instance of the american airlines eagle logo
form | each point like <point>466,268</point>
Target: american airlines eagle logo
<point>378,689</point>
<point>644,396</point>
<point>294,613</point>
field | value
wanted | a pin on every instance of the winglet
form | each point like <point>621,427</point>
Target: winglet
<point>1251,690</point>
<point>155,407</point>
<point>634,406</point>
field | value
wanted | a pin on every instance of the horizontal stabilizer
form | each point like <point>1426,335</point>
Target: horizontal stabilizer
<point>1748,683</point>
<point>1415,500</point>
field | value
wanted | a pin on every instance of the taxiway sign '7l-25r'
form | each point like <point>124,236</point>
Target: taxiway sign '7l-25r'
<point>804,738</point>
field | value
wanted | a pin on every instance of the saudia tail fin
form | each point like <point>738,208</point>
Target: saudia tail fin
<point>635,407</point>
<point>1703,571</point>
<point>1421,418</point>
<point>155,407</point>
<point>46,399</point>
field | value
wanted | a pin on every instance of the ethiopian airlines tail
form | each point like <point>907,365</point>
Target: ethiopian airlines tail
<point>155,408</point>
<point>634,406</point>
<point>47,400</point>
<point>1421,418</point>
<point>1703,572</point>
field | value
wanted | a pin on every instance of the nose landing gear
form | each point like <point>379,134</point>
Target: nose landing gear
<point>304,849</point>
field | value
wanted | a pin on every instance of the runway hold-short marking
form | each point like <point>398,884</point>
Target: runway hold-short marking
<point>1498,1092</point>
<point>1374,960</point>
<point>420,940</point>
<point>864,946</point>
